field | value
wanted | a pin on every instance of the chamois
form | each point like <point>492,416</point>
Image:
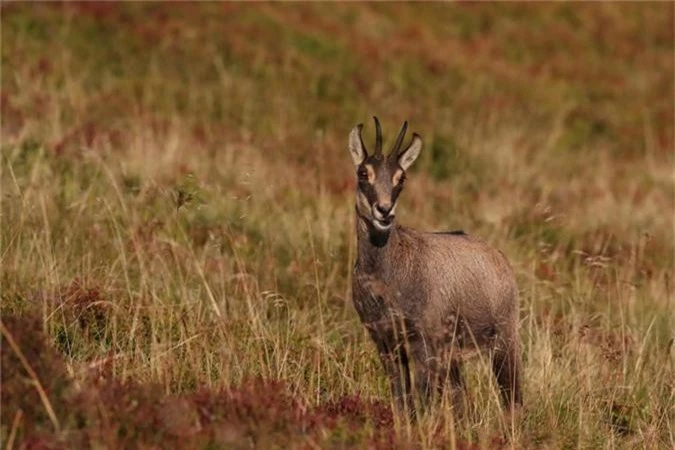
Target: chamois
<point>427,298</point>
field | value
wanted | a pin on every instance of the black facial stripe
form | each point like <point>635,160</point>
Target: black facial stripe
<point>369,191</point>
<point>396,192</point>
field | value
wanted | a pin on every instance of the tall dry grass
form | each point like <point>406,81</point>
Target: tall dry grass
<point>177,198</point>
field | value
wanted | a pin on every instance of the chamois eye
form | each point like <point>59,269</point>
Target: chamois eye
<point>399,178</point>
<point>363,174</point>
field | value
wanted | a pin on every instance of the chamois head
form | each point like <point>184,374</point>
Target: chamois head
<point>380,178</point>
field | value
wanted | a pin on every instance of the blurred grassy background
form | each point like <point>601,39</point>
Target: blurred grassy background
<point>177,195</point>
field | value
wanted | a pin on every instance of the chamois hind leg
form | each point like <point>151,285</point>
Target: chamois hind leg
<point>506,366</point>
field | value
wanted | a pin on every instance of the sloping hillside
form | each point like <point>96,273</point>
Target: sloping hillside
<point>177,217</point>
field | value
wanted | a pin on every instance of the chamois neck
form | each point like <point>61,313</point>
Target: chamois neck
<point>373,245</point>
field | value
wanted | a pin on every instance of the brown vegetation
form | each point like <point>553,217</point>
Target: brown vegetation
<point>177,230</point>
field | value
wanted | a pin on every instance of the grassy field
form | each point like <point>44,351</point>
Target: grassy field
<point>178,236</point>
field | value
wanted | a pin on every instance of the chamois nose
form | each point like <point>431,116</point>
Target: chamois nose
<point>383,208</point>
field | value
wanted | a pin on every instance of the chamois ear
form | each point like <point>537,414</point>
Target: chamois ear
<point>410,154</point>
<point>356,147</point>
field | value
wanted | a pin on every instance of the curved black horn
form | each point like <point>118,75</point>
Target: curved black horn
<point>378,136</point>
<point>399,140</point>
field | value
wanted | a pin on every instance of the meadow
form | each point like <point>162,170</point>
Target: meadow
<point>177,225</point>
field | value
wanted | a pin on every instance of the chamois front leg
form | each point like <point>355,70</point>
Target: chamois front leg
<point>427,381</point>
<point>435,374</point>
<point>454,376</point>
<point>394,358</point>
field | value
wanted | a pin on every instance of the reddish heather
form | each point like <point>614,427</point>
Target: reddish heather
<point>100,410</point>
